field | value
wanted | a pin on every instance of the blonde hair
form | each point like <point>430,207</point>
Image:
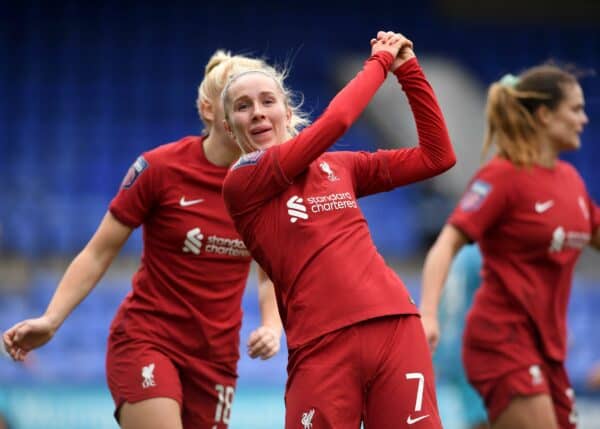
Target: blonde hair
<point>220,67</point>
<point>511,106</point>
<point>293,101</point>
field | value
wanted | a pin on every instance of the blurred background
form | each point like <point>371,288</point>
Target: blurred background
<point>85,87</point>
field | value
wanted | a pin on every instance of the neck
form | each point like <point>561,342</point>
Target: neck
<point>219,150</point>
<point>548,155</point>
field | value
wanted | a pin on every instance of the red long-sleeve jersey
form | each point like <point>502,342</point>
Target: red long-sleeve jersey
<point>296,208</point>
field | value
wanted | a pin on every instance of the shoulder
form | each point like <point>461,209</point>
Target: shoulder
<point>158,160</point>
<point>568,169</point>
<point>173,151</point>
<point>497,167</point>
<point>169,157</point>
<point>492,179</point>
<point>501,173</point>
<point>248,159</point>
<point>493,174</point>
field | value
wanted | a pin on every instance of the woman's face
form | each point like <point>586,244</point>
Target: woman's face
<point>257,112</point>
<point>566,122</point>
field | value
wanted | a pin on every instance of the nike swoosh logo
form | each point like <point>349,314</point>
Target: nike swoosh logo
<point>542,207</point>
<point>411,421</point>
<point>184,203</point>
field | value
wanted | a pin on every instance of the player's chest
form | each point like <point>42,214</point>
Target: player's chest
<point>191,210</point>
<point>324,194</point>
<point>552,214</point>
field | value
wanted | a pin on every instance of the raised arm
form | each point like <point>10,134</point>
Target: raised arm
<point>344,109</point>
<point>434,154</point>
<point>435,272</point>
<point>82,275</point>
<point>434,139</point>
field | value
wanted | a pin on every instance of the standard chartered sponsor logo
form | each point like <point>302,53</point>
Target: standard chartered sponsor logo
<point>225,246</point>
<point>213,244</point>
<point>572,239</point>
<point>193,241</point>
<point>331,202</point>
<point>298,208</point>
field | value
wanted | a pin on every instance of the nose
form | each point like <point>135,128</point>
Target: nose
<point>257,112</point>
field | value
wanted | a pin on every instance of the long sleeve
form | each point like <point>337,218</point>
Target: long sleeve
<point>434,154</point>
<point>295,155</point>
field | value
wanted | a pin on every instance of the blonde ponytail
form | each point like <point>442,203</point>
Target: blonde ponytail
<point>510,127</point>
<point>510,112</point>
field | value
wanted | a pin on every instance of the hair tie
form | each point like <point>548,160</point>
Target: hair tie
<point>509,80</point>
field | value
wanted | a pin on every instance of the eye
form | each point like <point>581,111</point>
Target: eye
<point>241,106</point>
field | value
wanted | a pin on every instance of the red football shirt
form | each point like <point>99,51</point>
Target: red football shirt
<point>187,291</point>
<point>296,209</point>
<point>531,225</point>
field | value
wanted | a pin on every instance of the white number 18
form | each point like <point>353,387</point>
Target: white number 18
<point>223,411</point>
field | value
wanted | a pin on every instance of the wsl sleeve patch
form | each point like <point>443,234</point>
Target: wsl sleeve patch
<point>475,196</point>
<point>248,159</point>
<point>134,172</point>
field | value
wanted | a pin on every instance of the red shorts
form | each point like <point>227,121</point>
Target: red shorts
<point>500,372</point>
<point>137,370</point>
<point>378,370</point>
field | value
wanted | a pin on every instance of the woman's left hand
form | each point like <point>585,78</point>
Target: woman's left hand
<point>390,42</point>
<point>264,342</point>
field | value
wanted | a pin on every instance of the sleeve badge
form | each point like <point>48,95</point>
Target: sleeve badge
<point>134,172</point>
<point>475,196</point>
<point>248,159</point>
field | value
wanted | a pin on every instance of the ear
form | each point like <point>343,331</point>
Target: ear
<point>206,109</point>
<point>228,129</point>
<point>543,115</point>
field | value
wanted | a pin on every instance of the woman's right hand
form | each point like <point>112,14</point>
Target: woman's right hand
<point>394,43</point>
<point>28,335</point>
<point>431,327</point>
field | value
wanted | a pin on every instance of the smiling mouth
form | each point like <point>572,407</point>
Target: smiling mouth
<point>260,131</point>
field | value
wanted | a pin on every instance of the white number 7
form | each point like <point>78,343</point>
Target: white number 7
<point>419,376</point>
